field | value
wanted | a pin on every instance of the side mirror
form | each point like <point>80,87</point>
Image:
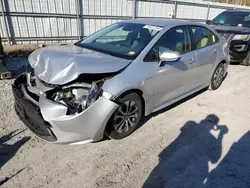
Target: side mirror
<point>169,56</point>
<point>208,21</point>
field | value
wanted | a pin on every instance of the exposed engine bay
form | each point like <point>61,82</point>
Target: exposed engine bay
<point>70,75</point>
<point>77,95</point>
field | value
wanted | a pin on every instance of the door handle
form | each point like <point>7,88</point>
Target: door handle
<point>214,51</point>
<point>191,60</point>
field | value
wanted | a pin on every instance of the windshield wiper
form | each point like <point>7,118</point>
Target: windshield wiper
<point>217,23</point>
<point>224,24</point>
<point>231,25</point>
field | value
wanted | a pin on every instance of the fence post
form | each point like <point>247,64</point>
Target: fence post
<point>175,9</point>
<point>4,21</point>
<point>208,11</point>
<point>4,73</point>
<point>134,12</point>
<point>79,8</point>
<point>1,47</point>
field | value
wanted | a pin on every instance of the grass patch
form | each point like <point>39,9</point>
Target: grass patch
<point>19,50</point>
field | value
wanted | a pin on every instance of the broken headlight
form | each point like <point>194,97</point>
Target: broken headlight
<point>78,97</point>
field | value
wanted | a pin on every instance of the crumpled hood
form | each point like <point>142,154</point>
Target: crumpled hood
<point>231,29</point>
<point>62,64</point>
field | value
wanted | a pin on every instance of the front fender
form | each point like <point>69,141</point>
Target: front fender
<point>117,89</point>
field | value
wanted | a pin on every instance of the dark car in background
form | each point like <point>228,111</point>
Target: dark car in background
<point>234,25</point>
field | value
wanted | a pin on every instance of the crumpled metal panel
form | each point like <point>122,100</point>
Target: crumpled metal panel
<point>62,64</point>
<point>89,124</point>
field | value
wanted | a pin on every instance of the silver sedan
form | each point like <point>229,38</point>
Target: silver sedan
<point>106,83</point>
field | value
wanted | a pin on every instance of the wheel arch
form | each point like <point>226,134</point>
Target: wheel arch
<point>122,94</point>
<point>223,61</point>
<point>139,92</point>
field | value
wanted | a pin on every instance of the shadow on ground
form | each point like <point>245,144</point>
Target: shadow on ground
<point>184,163</point>
<point>147,118</point>
<point>234,170</point>
<point>7,151</point>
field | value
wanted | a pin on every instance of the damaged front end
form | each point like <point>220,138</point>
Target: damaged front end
<point>64,111</point>
<point>77,95</point>
<point>64,90</point>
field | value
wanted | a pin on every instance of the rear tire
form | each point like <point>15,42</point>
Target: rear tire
<point>126,118</point>
<point>218,77</point>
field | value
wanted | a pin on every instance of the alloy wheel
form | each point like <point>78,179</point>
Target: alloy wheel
<point>126,116</point>
<point>218,76</point>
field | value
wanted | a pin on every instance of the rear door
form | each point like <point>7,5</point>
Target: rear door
<point>205,44</point>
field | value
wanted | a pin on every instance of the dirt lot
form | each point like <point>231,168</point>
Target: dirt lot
<point>177,147</point>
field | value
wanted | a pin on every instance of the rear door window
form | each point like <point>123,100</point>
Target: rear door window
<point>203,37</point>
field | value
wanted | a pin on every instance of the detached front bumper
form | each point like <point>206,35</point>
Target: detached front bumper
<point>48,119</point>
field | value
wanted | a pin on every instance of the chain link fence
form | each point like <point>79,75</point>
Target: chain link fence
<point>41,21</point>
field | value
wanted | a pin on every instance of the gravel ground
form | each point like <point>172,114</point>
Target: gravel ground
<point>178,147</point>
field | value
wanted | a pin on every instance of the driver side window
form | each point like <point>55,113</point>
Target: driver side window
<point>175,39</point>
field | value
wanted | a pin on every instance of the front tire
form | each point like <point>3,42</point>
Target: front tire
<point>126,118</point>
<point>217,77</point>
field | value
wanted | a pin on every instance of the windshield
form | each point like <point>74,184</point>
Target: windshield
<point>125,40</point>
<point>233,19</point>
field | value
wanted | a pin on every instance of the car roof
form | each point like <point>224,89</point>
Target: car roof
<point>162,22</point>
<point>247,11</point>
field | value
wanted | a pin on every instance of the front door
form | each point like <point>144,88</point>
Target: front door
<point>173,79</point>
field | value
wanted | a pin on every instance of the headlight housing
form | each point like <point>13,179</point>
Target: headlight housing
<point>242,37</point>
<point>77,97</point>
